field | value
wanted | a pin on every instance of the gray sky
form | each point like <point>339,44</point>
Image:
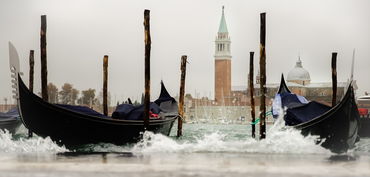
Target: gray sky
<point>81,32</point>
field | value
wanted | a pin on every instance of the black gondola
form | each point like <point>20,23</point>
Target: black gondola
<point>10,120</point>
<point>337,127</point>
<point>73,128</point>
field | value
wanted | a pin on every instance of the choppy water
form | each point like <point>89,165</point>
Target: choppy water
<point>204,150</point>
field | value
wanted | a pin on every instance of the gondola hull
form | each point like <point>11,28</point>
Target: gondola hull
<point>72,128</point>
<point>337,128</point>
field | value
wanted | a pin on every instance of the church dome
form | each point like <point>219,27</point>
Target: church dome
<point>298,73</point>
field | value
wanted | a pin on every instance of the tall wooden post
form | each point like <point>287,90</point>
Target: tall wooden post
<point>182,93</point>
<point>148,43</point>
<point>263,76</point>
<point>251,90</point>
<point>44,70</point>
<point>32,65</point>
<point>105,85</point>
<point>334,77</point>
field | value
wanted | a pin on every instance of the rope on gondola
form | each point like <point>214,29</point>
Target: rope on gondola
<point>269,113</point>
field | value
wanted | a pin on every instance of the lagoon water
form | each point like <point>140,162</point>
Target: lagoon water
<point>204,150</point>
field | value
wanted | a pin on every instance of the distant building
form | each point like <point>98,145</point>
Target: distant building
<point>222,63</point>
<point>234,100</point>
<point>299,82</point>
<point>298,78</point>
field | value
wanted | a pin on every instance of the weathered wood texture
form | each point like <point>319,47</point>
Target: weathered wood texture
<point>148,43</point>
<point>263,76</point>
<point>334,77</point>
<point>32,67</point>
<point>182,94</point>
<point>251,93</point>
<point>105,85</point>
<point>44,70</point>
<point>31,77</point>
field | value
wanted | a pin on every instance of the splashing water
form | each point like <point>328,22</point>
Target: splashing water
<point>279,139</point>
<point>25,145</point>
<point>198,138</point>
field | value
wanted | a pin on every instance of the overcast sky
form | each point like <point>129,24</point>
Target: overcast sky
<point>81,32</point>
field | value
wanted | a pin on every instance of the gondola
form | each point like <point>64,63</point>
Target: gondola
<point>73,128</point>
<point>10,121</point>
<point>337,127</point>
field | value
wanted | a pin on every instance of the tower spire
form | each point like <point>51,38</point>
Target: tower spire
<point>223,26</point>
<point>222,40</point>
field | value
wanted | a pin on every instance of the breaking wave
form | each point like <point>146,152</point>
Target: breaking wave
<point>198,138</point>
<point>21,144</point>
<point>279,139</point>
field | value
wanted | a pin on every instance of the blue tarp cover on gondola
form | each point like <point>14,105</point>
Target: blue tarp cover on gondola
<point>131,112</point>
<point>82,109</point>
<point>286,101</point>
<point>165,105</point>
<point>298,109</point>
<point>304,113</point>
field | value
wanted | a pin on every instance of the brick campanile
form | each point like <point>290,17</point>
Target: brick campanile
<point>222,63</point>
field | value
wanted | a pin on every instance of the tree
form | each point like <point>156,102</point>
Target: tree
<point>75,93</point>
<point>88,96</point>
<point>53,93</point>
<point>68,94</point>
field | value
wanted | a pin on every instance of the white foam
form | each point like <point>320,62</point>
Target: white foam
<point>27,145</point>
<point>279,139</point>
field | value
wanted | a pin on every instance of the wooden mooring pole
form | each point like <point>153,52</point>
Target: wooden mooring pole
<point>263,77</point>
<point>105,85</point>
<point>334,77</point>
<point>182,93</point>
<point>32,66</point>
<point>44,70</point>
<point>147,68</point>
<point>251,93</point>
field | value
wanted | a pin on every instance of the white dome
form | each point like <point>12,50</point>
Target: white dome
<point>298,73</point>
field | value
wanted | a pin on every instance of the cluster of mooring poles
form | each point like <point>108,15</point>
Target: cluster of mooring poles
<point>262,62</point>
<point>44,70</point>
<point>147,78</point>
<point>44,91</point>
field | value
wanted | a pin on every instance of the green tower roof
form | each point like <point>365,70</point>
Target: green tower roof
<point>223,26</point>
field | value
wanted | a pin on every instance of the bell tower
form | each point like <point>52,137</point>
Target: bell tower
<point>222,63</point>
